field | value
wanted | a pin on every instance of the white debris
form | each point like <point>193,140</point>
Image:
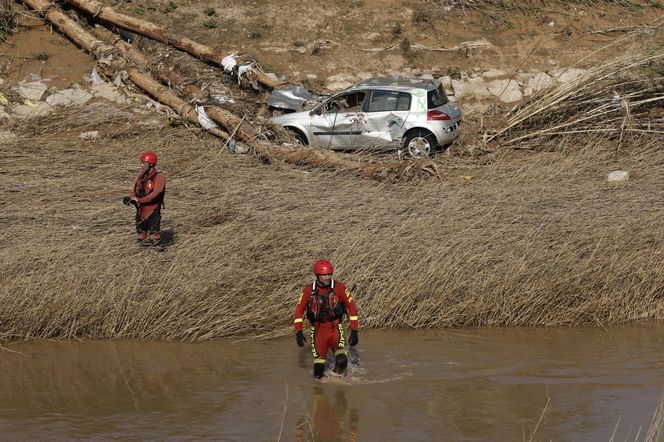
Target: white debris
<point>242,69</point>
<point>470,88</point>
<point>109,92</point>
<point>220,99</point>
<point>617,176</point>
<point>91,135</point>
<point>540,81</point>
<point>229,62</point>
<point>26,111</point>
<point>32,90</point>
<point>203,119</point>
<point>566,75</point>
<point>507,91</point>
<point>95,79</point>
<point>492,74</point>
<point>69,97</point>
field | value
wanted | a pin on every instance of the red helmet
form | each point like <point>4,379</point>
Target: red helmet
<point>323,267</point>
<point>148,157</point>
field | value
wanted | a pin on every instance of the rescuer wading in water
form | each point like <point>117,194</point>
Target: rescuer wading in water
<point>325,301</point>
<point>148,197</point>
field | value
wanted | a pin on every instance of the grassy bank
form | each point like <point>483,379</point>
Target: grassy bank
<point>514,238</point>
<point>530,234</point>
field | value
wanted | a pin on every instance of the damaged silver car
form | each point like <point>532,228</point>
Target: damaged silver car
<point>380,113</point>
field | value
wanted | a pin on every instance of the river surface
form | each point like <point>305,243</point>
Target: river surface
<point>460,385</point>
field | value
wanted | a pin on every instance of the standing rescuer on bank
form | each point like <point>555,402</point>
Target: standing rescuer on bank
<point>325,301</point>
<point>148,197</point>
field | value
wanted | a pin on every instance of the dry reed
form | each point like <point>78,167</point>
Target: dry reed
<point>518,239</point>
<point>618,97</point>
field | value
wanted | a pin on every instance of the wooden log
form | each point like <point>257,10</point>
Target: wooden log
<point>296,155</point>
<point>243,130</point>
<point>133,55</point>
<point>161,34</point>
<point>165,96</point>
<point>69,27</point>
<point>98,49</point>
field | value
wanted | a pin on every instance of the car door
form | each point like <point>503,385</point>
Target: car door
<point>344,113</point>
<point>386,113</point>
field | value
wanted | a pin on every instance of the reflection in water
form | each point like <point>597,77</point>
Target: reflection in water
<point>331,418</point>
<point>472,384</point>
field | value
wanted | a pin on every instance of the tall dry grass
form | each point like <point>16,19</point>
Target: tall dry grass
<point>619,96</point>
<point>516,239</point>
<point>512,238</point>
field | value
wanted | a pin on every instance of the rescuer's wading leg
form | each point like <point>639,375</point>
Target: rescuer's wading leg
<point>340,358</point>
<point>319,363</point>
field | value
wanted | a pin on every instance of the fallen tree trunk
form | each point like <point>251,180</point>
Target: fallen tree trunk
<point>165,96</point>
<point>242,129</point>
<point>69,27</point>
<point>133,55</point>
<point>100,49</point>
<point>161,34</point>
<point>296,155</point>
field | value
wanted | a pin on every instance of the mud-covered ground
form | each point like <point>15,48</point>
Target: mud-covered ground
<point>310,41</point>
<point>283,34</point>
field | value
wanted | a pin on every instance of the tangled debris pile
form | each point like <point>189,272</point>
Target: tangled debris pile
<point>620,97</point>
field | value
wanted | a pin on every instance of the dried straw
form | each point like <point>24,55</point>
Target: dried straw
<point>516,239</point>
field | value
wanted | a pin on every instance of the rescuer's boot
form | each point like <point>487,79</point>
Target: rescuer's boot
<point>340,363</point>
<point>319,369</point>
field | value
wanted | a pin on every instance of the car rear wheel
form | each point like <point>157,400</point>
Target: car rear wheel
<point>419,143</point>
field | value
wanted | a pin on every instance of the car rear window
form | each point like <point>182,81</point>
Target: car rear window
<point>389,101</point>
<point>436,97</point>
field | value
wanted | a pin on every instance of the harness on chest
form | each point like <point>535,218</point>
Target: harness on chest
<point>145,185</point>
<point>324,307</point>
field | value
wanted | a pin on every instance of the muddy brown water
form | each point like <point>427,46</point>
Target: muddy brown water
<point>467,385</point>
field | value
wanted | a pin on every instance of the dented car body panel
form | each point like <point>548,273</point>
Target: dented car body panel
<point>379,113</point>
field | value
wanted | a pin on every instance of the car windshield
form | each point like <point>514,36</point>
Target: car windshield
<point>436,97</point>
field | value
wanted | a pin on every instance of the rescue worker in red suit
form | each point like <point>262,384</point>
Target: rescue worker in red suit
<point>325,301</point>
<point>148,197</point>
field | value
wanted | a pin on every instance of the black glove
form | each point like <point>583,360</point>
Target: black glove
<point>354,339</point>
<point>299,337</point>
<point>126,200</point>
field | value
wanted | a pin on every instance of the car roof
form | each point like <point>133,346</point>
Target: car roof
<point>396,83</point>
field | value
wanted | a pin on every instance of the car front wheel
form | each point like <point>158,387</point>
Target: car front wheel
<point>299,136</point>
<point>419,143</point>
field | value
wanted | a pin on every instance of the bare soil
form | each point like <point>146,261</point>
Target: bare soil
<point>282,35</point>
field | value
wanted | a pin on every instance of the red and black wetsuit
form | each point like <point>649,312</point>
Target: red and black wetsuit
<point>149,190</point>
<point>325,308</point>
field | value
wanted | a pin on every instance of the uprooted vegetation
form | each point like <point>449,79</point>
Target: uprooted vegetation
<point>520,240</point>
<point>518,237</point>
<point>621,97</point>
